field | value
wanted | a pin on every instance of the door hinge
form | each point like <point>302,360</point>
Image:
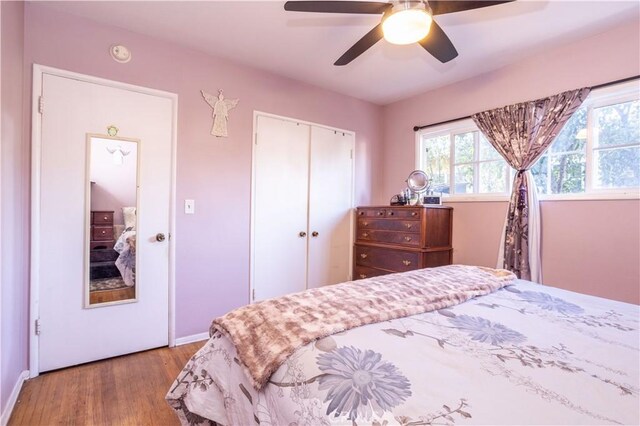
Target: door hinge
<point>255,138</point>
<point>253,294</point>
<point>38,327</point>
<point>41,105</point>
<point>351,154</point>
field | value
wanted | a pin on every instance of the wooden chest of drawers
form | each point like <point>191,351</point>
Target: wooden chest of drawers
<point>398,239</point>
<point>101,226</point>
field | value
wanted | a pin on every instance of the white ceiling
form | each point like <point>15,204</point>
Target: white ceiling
<point>304,46</point>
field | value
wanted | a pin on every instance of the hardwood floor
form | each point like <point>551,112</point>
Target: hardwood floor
<point>112,295</point>
<point>127,390</point>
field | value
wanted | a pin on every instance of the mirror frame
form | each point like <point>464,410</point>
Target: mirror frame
<point>418,173</point>
<point>87,220</point>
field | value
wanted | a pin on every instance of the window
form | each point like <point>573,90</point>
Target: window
<point>596,153</point>
<point>460,161</point>
<point>598,150</point>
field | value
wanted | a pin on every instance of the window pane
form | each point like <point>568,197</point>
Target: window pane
<point>436,160</point>
<point>617,124</point>
<point>567,173</point>
<point>617,168</point>
<point>464,179</point>
<point>464,147</point>
<point>540,172</point>
<point>493,176</point>
<point>487,151</point>
<point>573,136</point>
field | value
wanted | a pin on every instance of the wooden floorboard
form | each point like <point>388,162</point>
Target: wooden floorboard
<point>127,390</point>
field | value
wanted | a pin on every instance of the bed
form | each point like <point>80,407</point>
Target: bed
<point>518,353</point>
<point>126,262</point>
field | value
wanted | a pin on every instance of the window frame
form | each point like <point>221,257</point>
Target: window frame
<point>451,130</point>
<point>603,97</point>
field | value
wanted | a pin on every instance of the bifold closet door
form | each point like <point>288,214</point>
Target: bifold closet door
<point>330,202</point>
<point>281,170</point>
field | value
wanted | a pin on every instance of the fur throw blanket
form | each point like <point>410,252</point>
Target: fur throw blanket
<point>268,332</point>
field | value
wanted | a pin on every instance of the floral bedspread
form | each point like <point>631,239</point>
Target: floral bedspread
<point>526,354</point>
<point>126,261</point>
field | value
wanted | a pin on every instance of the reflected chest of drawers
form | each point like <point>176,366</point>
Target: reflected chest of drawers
<point>398,239</point>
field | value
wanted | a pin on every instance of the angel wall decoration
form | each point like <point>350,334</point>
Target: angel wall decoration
<point>221,108</point>
<point>118,155</point>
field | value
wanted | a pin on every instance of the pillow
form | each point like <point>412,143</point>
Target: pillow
<point>129,214</point>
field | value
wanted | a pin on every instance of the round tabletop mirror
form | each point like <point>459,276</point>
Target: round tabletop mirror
<point>418,181</point>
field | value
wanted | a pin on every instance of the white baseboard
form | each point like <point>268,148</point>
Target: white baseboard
<point>13,398</point>
<point>193,338</point>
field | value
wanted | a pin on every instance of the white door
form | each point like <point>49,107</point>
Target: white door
<point>70,331</point>
<point>330,202</point>
<point>281,169</point>
<point>302,203</point>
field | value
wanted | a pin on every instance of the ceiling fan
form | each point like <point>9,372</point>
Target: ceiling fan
<point>403,22</point>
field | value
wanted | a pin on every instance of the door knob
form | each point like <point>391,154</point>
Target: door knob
<point>160,237</point>
<point>302,234</point>
<point>314,234</point>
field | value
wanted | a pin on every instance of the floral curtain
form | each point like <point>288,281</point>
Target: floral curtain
<point>521,133</point>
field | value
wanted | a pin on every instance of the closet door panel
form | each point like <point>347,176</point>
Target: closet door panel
<point>280,207</point>
<point>330,202</point>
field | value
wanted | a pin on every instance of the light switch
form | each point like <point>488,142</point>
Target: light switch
<point>189,206</point>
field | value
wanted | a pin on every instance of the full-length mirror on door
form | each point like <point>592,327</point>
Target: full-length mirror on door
<point>111,220</point>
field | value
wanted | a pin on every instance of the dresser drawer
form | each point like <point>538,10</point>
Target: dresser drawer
<point>102,233</point>
<point>390,259</point>
<point>405,212</point>
<point>389,237</point>
<point>102,218</point>
<point>389,225</point>
<point>372,212</point>
<point>362,272</point>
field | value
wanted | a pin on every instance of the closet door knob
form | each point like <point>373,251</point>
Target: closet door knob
<point>302,234</point>
<point>160,237</point>
<point>314,234</point>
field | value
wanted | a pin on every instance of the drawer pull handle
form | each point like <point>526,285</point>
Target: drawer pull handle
<point>363,276</point>
<point>364,255</point>
<point>380,213</point>
<point>406,262</point>
<point>365,223</point>
<point>106,218</point>
<point>365,235</point>
<point>407,239</point>
<point>104,232</point>
<point>361,213</point>
<point>414,213</point>
<point>390,213</point>
<point>409,225</point>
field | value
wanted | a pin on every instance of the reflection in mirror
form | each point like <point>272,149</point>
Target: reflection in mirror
<point>112,220</point>
<point>418,181</point>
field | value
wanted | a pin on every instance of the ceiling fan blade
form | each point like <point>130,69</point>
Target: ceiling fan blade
<point>441,7</point>
<point>438,44</point>
<point>370,7</point>
<point>371,38</point>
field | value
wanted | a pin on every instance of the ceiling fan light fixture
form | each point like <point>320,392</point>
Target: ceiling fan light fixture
<point>407,26</point>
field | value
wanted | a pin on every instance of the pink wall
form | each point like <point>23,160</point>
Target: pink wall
<point>571,257</point>
<point>15,213</point>
<point>212,270</point>
<point>114,184</point>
